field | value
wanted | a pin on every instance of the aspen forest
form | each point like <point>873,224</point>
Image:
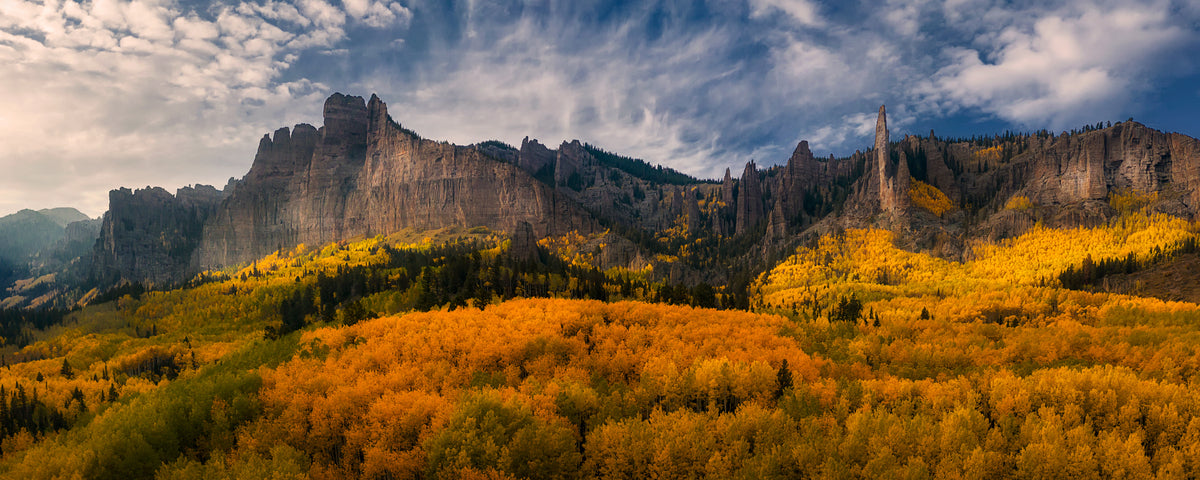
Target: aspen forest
<point>450,357</point>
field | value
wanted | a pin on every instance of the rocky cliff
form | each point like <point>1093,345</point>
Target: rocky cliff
<point>749,199</point>
<point>1088,166</point>
<point>360,174</point>
<point>150,235</point>
<point>363,174</point>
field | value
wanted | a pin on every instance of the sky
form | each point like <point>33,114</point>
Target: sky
<point>105,94</point>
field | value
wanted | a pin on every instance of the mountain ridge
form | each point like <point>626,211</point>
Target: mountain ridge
<point>363,174</point>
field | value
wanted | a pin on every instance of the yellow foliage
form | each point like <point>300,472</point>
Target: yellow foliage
<point>990,154</point>
<point>1130,200</point>
<point>1018,202</point>
<point>975,369</point>
<point>930,198</point>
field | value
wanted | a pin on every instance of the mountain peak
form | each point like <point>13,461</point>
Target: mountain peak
<point>345,118</point>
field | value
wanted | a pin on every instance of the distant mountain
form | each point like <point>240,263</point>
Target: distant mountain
<point>26,232</point>
<point>362,174</point>
<point>64,215</point>
<point>47,245</point>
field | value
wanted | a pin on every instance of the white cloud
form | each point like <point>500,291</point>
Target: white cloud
<point>136,92</point>
<point>851,126</point>
<point>803,11</point>
<point>819,75</point>
<point>133,93</point>
<point>904,16</point>
<point>322,13</point>
<point>686,99</point>
<point>1067,67</point>
<point>377,13</point>
<point>522,84</point>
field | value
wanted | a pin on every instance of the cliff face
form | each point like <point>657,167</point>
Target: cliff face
<point>749,199</point>
<point>362,174</point>
<point>150,235</point>
<point>1128,155</point>
<point>534,157</point>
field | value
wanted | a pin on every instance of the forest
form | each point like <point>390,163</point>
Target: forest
<point>459,358</point>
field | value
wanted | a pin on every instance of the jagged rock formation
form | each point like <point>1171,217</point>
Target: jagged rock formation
<point>894,180</point>
<point>81,233</point>
<point>723,215</point>
<point>567,165</point>
<point>498,150</point>
<point>695,220</point>
<point>149,234</point>
<point>1128,155</point>
<point>362,174</point>
<point>749,199</point>
<point>621,190</point>
<point>535,158</point>
<point>936,171</point>
<point>524,242</point>
<point>805,176</point>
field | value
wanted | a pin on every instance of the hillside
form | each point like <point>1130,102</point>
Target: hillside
<point>1174,279</point>
<point>859,359</point>
<point>362,174</point>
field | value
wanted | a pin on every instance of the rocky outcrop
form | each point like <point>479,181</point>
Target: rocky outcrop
<point>569,164</point>
<point>893,177</point>
<point>727,189</point>
<point>695,220</point>
<point>1090,165</point>
<point>749,199</point>
<point>524,245</point>
<point>362,174</point>
<point>805,174</point>
<point>938,173</point>
<point>724,213</point>
<point>777,229</point>
<point>83,232</point>
<point>534,157</point>
<point>149,235</point>
<point>365,176</point>
<point>498,151</point>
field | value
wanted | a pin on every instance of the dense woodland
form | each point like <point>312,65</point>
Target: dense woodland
<point>459,358</point>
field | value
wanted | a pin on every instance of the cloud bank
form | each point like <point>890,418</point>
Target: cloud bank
<point>109,93</point>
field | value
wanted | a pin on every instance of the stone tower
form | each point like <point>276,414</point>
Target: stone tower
<point>893,179</point>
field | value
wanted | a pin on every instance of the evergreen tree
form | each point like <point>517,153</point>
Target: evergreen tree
<point>783,379</point>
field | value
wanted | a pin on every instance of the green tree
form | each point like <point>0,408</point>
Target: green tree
<point>66,371</point>
<point>783,380</point>
<point>488,432</point>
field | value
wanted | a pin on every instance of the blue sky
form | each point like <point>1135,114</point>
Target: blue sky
<point>112,93</point>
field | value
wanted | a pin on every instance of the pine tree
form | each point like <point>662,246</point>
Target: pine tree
<point>783,379</point>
